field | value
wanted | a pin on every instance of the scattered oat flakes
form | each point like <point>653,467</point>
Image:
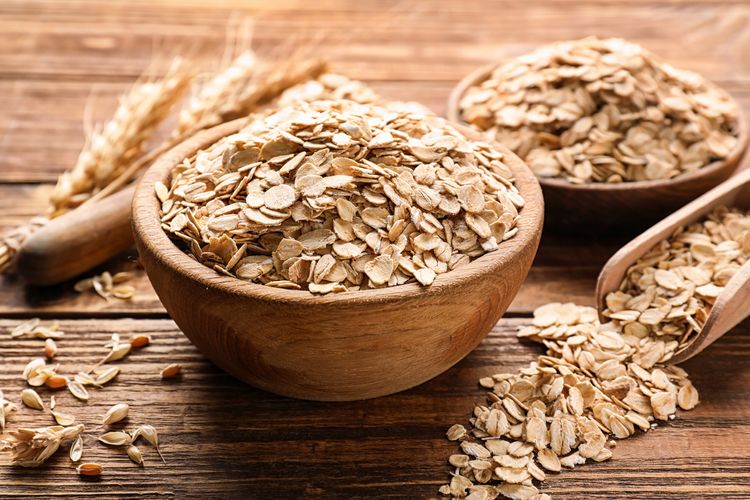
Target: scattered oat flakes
<point>76,449</point>
<point>116,438</point>
<point>105,375</point>
<point>140,341</point>
<point>78,390</point>
<point>6,407</point>
<point>562,409</point>
<point>135,454</point>
<point>35,329</point>
<point>90,470</point>
<point>31,398</point>
<point>37,371</point>
<point>107,285</point>
<point>50,348</point>
<point>148,432</point>
<point>596,110</point>
<point>64,419</point>
<point>116,413</point>
<point>56,382</point>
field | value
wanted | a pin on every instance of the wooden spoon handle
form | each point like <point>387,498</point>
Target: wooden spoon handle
<point>77,241</point>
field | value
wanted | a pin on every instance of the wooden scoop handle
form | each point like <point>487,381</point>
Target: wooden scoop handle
<point>77,241</point>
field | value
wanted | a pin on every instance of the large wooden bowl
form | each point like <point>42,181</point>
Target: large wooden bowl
<point>348,346</point>
<point>626,206</point>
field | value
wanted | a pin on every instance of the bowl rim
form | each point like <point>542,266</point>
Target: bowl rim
<point>153,239</point>
<point>732,160</point>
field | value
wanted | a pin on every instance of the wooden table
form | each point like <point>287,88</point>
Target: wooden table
<point>222,439</point>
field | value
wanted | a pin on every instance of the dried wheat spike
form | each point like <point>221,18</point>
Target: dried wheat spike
<point>270,84</point>
<point>236,92</point>
<point>121,140</point>
<point>32,447</point>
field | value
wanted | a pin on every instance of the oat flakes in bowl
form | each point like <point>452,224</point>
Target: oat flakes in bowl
<point>333,196</point>
<point>362,343</point>
<point>614,134</point>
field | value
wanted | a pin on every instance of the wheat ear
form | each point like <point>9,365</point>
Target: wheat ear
<point>122,140</point>
<point>225,87</point>
<point>107,152</point>
<point>233,93</point>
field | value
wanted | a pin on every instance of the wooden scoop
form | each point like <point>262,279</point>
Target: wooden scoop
<point>733,305</point>
<point>77,241</point>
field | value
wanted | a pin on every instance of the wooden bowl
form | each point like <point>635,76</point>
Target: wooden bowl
<point>347,346</point>
<point>626,206</point>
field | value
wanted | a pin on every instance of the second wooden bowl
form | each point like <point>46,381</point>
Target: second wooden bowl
<point>628,206</point>
<point>348,346</point>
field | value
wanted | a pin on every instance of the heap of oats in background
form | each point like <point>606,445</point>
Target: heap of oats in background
<point>596,110</point>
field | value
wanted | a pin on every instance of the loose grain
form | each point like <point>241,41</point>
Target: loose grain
<point>600,381</point>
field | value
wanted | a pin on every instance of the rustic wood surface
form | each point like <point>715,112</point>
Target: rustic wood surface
<point>222,439</point>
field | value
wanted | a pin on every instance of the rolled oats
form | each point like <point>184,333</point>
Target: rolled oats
<point>667,294</point>
<point>595,381</point>
<point>603,110</point>
<point>332,196</point>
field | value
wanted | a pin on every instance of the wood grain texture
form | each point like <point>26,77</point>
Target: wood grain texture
<point>224,439</point>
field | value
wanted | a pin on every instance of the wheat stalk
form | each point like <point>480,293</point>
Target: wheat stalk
<point>32,447</point>
<point>115,155</point>
<point>225,87</point>
<point>235,92</point>
<point>121,141</point>
<point>14,238</point>
<point>107,153</point>
<point>279,77</point>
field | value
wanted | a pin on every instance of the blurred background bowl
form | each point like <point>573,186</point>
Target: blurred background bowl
<point>625,207</point>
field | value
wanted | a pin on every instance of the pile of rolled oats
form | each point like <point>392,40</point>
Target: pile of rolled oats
<point>329,87</point>
<point>599,381</point>
<point>596,110</point>
<point>594,383</point>
<point>332,196</point>
<point>668,293</point>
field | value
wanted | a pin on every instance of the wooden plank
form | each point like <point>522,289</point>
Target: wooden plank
<point>118,38</point>
<point>221,437</point>
<point>224,439</point>
<point>55,59</point>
